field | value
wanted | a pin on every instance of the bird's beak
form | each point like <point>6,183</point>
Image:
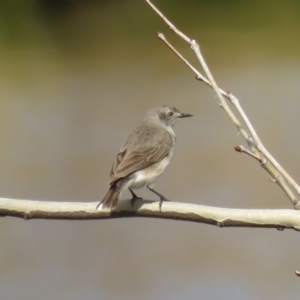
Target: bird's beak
<point>183,115</point>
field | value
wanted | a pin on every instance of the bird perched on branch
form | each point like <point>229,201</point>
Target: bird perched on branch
<point>145,154</point>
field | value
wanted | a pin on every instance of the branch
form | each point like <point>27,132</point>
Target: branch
<point>256,148</point>
<point>221,217</point>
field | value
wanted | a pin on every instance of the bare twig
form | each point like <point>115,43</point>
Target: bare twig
<point>221,217</point>
<point>244,150</point>
<point>256,148</point>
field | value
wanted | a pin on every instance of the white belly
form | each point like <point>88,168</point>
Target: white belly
<point>147,176</point>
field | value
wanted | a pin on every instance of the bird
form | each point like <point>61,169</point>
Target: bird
<point>144,156</point>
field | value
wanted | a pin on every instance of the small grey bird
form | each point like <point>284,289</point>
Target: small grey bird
<point>144,156</point>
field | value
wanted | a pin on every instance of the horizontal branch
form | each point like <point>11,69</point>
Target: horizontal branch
<point>222,217</point>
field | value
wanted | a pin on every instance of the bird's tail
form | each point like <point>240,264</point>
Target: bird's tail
<point>111,198</point>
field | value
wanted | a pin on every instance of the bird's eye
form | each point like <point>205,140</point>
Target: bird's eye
<point>170,113</point>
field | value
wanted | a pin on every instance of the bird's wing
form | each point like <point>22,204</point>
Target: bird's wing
<point>134,157</point>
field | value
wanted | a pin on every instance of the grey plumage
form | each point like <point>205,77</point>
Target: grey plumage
<point>144,156</point>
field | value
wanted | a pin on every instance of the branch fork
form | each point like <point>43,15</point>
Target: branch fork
<point>255,149</point>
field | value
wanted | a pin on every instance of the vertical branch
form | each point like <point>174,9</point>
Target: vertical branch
<point>256,148</point>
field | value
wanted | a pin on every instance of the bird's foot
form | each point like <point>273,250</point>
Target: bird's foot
<point>134,197</point>
<point>162,199</point>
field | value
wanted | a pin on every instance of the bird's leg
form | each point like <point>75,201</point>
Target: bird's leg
<point>134,197</point>
<point>162,198</point>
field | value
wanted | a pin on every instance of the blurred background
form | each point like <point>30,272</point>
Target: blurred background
<point>76,77</point>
